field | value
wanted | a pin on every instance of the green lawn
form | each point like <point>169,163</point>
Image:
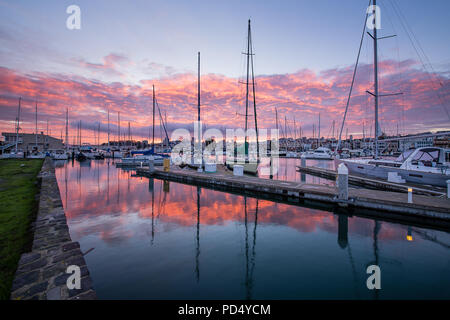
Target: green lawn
<point>18,208</point>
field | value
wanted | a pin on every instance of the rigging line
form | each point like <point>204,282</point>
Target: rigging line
<point>398,60</point>
<point>403,23</point>
<point>417,40</point>
<point>162,120</point>
<point>353,79</point>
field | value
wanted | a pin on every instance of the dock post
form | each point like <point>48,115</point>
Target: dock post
<point>151,164</point>
<point>303,161</point>
<point>448,189</point>
<point>410,191</point>
<point>342,182</point>
<point>303,164</point>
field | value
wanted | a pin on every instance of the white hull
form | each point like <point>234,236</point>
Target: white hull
<point>320,153</point>
<point>144,160</point>
<point>412,176</point>
<point>116,154</point>
<point>60,157</point>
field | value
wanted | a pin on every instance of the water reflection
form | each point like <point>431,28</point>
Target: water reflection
<point>154,239</point>
<point>287,171</point>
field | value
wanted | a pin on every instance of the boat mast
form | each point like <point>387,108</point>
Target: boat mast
<point>17,124</point>
<point>118,127</point>
<point>318,137</point>
<point>246,84</point>
<point>108,127</point>
<point>67,129</point>
<point>153,123</point>
<point>364,133</point>
<point>285,133</point>
<point>129,134</point>
<point>35,132</point>
<point>276,118</point>
<point>254,95</point>
<point>198,108</point>
<point>375,66</point>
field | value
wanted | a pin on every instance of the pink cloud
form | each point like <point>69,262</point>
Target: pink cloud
<point>301,95</point>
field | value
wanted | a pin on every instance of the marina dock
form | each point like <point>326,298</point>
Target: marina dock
<point>392,205</point>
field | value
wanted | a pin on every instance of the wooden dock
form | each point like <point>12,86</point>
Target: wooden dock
<point>372,183</point>
<point>433,210</point>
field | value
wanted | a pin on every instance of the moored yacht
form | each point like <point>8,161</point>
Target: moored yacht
<point>59,154</point>
<point>426,165</point>
<point>320,153</point>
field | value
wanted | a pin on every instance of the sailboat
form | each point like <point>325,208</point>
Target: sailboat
<point>16,153</point>
<point>249,166</point>
<point>423,165</point>
<point>143,157</point>
<point>36,154</point>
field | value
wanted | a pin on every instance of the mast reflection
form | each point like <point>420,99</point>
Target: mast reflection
<point>197,249</point>
<point>250,266</point>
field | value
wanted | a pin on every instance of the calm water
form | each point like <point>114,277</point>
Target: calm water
<point>288,171</point>
<point>159,240</point>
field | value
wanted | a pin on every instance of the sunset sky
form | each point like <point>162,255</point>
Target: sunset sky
<point>304,57</point>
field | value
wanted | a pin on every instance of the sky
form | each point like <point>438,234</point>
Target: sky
<point>305,53</point>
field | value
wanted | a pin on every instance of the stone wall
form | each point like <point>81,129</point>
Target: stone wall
<point>41,273</point>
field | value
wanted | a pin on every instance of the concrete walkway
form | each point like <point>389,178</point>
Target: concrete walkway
<point>41,273</point>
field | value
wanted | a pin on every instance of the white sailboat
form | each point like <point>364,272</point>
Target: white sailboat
<point>249,165</point>
<point>59,154</point>
<point>320,153</point>
<point>36,154</point>
<point>423,165</point>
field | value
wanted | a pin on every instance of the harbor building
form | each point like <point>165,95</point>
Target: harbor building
<point>29,141</point>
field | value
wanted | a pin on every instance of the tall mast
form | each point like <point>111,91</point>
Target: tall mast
<point>295,130</point>
<point>35,132</point>
<point>198,109</point>
<point>129,133</point>
<point>165,121</point>
<point>364,132</point>
<point>67,129</point>
<point>108,127</point>
<point>285,134</point>
<point>375,67</point>
<point>254,95</point>
<point>276,118</point>
<point>198,89</point>
<point>18,124</point>
<point>118,127</point>
<point>153,126</point>
<point>333,130</point>
<point>246,83</point>
<point>318,136</point>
